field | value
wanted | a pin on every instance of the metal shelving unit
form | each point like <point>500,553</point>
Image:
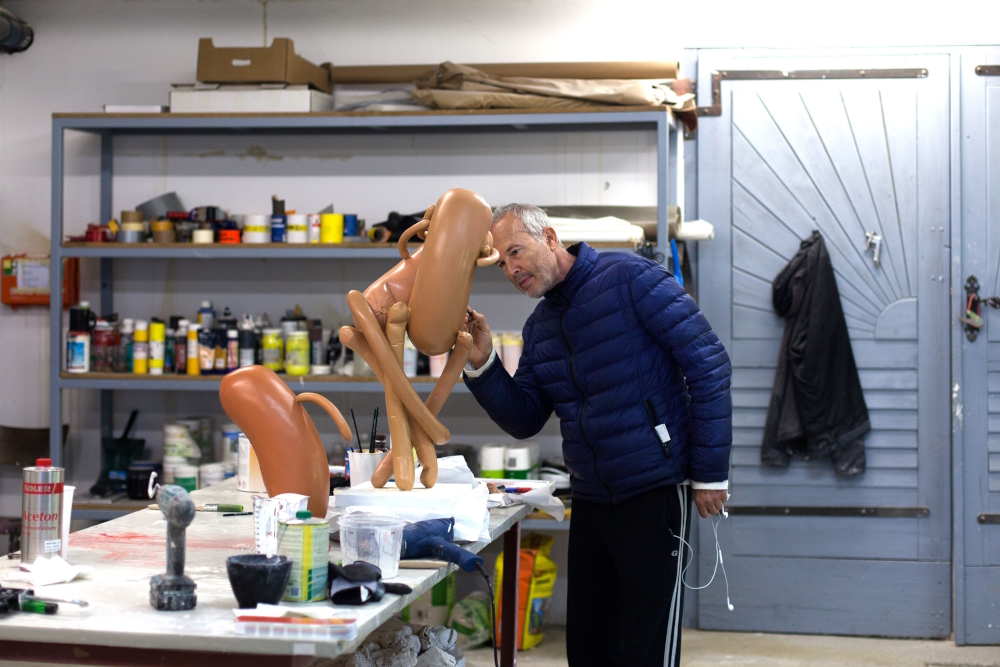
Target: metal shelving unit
<point>669,145</point>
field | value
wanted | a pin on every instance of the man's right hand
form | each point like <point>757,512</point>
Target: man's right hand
<point>482,340</point>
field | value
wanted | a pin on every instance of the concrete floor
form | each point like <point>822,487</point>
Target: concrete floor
<point>735,649</point>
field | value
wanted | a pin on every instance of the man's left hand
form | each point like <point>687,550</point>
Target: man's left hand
<point>710,501</point>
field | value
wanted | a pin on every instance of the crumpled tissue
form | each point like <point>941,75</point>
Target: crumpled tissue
<point>47,571</point>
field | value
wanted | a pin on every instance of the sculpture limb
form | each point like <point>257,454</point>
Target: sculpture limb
<point>392,370</point>
<point>419,228</point>
<point>399,428</point>
<point>331,409</point>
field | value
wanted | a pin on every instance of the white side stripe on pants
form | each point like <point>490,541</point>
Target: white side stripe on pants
<point>674,620</point>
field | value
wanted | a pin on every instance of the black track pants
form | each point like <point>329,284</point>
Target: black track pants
<point>625,592</point>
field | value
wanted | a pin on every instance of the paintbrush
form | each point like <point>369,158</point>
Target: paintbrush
<point>210,507</point>
<point>356,430</point>
<point>371,442</point>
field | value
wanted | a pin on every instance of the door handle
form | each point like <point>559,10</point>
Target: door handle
<point>973,316</point>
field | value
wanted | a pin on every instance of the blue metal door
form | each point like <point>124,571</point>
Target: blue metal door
<point>977,362</point>
<point>791,153</point>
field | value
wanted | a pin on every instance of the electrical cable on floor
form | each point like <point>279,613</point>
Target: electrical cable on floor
<point>493,613</point>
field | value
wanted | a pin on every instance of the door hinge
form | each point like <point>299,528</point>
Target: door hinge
<point>872,512</point>
<point>804,74</point>
<point>988,70</point>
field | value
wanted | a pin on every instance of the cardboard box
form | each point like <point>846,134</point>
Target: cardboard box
<point>277,63</point>
<point>197,98</point>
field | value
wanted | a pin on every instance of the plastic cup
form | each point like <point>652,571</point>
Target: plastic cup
<point>369,538</point>
<point>363,465</point>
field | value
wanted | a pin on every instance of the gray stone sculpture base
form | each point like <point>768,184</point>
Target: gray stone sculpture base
<point>171,593</point>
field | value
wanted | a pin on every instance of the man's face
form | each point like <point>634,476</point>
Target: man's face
<point>529,264</point>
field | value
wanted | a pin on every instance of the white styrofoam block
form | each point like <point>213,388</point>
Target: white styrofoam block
<point>440,496</point>
<point>249,100</point>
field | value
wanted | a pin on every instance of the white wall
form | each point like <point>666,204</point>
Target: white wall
<point>91,52</point>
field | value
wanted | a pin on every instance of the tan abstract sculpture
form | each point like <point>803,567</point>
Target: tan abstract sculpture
<point>426,295</point>
<point>291,454</point>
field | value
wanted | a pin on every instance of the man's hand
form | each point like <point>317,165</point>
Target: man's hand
<point>710,501</point>
<point>482,340</point>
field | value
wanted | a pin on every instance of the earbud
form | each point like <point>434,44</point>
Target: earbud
<point>719,564</point>
<point>730,604</point>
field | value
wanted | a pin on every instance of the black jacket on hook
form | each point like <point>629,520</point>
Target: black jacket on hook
<point>817,408</point>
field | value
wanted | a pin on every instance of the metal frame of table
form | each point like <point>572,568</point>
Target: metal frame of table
<point>121,628</point>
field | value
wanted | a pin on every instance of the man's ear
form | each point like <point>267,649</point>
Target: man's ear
<point>551,238</point>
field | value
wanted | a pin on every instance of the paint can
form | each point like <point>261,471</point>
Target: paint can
<point>229,236</point>
<point>41,511</point>
<point>306,541</point>
<point>193,362</point>
<point>203,236</point>
<point>297,353</point>
<point>331,228</point>
<point>247,340</point>
<point>350,224</point>
<point>170,464</point>
<point>272,345</point>
<point>186,477</point>
<point>298,228</point>
<point>178,443</point>
<point>157,342</point>
<point>521,461</point>
<point>315,227</point>
<point>140,348</point>
<point>279,228</point>
<point>491,461</point>
<point>248,476</point>
<point>211,473</point>
<point>256,228</point>
<point>230,443</point>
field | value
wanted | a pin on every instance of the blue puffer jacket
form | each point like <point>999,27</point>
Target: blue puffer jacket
<point>615,349</point>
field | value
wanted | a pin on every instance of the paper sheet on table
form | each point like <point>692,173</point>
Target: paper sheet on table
<point>46,571</point>
<point>318,611</point>
<point>540,499</point>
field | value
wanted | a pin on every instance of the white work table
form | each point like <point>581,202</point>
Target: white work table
<point>120,627</point>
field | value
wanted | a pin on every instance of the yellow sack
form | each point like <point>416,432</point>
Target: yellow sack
<point>537,577</point>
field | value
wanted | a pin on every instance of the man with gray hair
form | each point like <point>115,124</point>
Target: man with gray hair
<point>640,384</point>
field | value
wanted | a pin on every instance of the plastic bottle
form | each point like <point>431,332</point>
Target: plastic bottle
<point>180,348</point>
<point>193,364</point>
<point>206,315</point>
<point>232,350</point>
<point>126,340</point>
<point>157,343</point>
<point>206,350</point>
<point>220,351</point>
<point>140,348</point>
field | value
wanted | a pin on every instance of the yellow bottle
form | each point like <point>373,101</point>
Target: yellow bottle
<point>140,348</point>
<point>331,228</point>
<point>193,361</point>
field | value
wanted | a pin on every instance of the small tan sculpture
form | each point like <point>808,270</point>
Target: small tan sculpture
<point>287,444</point>
<point>425,295</point>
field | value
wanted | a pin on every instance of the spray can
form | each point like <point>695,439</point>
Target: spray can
<point>306,541</point>
<point>193,363</point>
<point>126,341</point>
<point>157,347</point>
<point>180,348</point>
<point>41,511</point>
<point>170,350</point>
<point>232,350</point>
<point>140,348</point>
<point>247,347</point>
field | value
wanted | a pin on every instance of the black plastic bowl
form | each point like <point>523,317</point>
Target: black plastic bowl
<point>257,578</point>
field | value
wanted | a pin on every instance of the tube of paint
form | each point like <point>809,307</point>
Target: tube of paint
<point>140,348</point>
<point>350,224</point>
<point>157,338</point>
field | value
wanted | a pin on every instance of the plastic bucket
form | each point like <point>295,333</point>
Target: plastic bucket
<point>373,539</point>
